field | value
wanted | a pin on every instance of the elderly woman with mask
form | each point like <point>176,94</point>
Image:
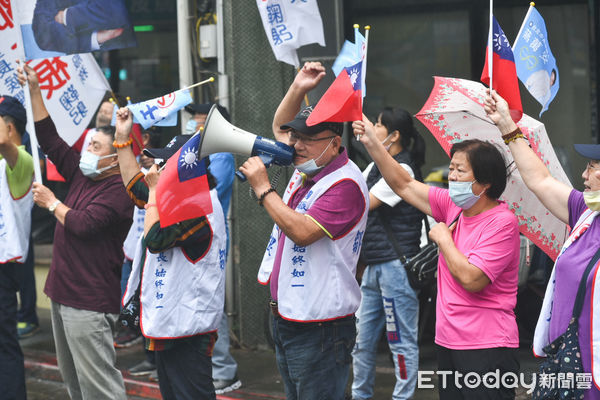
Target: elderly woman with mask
<point>478,237</point>
<point>580,211</point>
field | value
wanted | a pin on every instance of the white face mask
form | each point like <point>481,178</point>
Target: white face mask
<point>387,148</point>
<point>592,200</point>
<point>88,164</point>
<point>310,167</point>
<point>461,194</point>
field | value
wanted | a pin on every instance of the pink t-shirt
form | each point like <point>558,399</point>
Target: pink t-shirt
<point>490,241</point>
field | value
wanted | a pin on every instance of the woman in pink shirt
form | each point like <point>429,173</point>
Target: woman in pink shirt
<point>476,330</point>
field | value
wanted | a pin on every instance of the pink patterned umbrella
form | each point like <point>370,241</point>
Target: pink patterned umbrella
<point>454,112</point>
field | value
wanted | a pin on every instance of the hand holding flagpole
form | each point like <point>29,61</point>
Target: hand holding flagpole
<point>490,47</point>
<point>31,129</point>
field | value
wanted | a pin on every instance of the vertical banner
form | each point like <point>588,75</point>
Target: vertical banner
<point>72,88</point>
<point>290,25</point>
<point>52,28</point>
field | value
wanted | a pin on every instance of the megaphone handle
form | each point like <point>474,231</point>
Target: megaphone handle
<point>241,176</point>
<point>266,159</point>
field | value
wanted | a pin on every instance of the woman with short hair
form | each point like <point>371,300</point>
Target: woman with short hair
<point>476,329</point>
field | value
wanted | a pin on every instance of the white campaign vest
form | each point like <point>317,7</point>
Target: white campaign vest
<point>15,221</point>
<point>317,282</point>
<point>135,232</point>
<point>178,297</point>
<point>541,335</point>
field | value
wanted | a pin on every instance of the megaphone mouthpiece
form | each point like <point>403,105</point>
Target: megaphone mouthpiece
<point>220,136</point>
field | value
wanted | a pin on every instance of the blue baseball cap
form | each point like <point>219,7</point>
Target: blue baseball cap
<point>12,107</point>
<point>591,151</point>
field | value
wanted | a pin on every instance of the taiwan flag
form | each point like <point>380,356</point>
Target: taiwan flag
<point>504,72</point>
<point>182,191</point>
<point>342,102</point>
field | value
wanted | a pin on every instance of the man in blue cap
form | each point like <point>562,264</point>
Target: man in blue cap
<point>16,201</point>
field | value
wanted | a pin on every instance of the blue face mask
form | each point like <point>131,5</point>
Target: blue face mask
<point>88,164</point>
<point>190,127</point>
<point>310,167</point>
<point>461,194</point>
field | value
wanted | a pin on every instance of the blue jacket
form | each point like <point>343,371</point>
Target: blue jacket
<point>83,18</point>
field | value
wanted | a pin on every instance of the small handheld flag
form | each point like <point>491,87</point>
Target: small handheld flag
<point>343,100</point>
<point>151,112</point>
<point>536,66</point>
<point>504,79</point>
<point>182,191</point>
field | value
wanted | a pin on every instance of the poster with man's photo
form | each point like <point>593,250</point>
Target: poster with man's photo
<point>57,27</point>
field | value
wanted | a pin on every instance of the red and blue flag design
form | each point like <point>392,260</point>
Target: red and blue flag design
<point>161,110</point>
<point>342,102</point>
<point>504,72</point>
<point>182,192</point>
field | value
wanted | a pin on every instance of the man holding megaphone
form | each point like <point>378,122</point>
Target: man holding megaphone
<point>311,257</point>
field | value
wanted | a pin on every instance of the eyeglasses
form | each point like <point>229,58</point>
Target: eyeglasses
<point>590,165</point>
<point>306,140</point>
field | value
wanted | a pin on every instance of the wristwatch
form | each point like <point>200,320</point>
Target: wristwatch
<point>53,206</point>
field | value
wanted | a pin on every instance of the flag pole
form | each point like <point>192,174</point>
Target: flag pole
<point>364,67</point>
<point>367,30</point>
<point>211,79</point>
<point>305,95</point>
<point>531,5</point>
<point>490,47</point>
<point>30,127</point>
<point>131,133</point>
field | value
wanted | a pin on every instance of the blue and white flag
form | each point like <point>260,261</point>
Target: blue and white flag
<point>170,120</point>
<point>536,66</point>
<point>351,54</point>
<point>161,109</point>
<point>289,25</point>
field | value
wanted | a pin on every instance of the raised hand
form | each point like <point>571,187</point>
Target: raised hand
<point>309,76</point>
<point>497,110</point>
<point>152,177</point>
<point>364,130</point>
<point>123,125</point>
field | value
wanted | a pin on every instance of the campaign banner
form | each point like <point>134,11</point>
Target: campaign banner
<point>53,28</point>
<point>290,25</point>
<point>72,86</point>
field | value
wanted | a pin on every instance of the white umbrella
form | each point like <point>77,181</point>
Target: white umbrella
<point>454,112</point>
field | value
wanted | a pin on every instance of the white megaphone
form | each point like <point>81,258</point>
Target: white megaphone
<point>220,136</point>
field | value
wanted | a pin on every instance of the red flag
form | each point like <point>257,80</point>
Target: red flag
<point>182,191</point>
<point>504,72</point>
<point>342,101</point>
<point>52,173</point>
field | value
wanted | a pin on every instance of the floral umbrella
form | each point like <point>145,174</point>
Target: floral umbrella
<point>454,112</point>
